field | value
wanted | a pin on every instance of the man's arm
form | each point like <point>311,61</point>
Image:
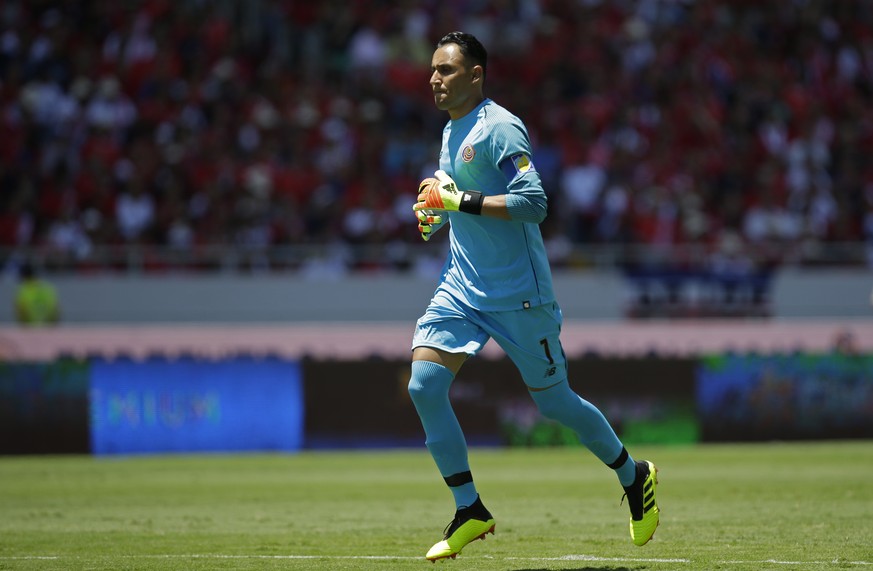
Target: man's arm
<point>526,205</point>
<point>519,206</point>
<point>495,206</point>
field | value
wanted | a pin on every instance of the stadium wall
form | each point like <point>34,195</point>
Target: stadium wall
<point>278,298</point>
<point>146,364</point>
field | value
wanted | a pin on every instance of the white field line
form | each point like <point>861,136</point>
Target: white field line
<point>591,558</point>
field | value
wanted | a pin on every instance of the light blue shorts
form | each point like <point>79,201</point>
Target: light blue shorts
<point>529,337</point>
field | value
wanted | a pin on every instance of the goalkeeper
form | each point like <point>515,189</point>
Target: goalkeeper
<point>496,283</point>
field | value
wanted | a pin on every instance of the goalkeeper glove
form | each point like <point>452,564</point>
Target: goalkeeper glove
<point>427,223</point>
<point>443,194</point>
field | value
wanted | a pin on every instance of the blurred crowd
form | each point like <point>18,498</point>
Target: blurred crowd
<point>742,126</point>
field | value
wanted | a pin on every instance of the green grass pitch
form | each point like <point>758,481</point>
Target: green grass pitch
<point>792,506</point>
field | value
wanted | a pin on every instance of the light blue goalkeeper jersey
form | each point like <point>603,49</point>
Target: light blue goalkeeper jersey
<point>493,264</point>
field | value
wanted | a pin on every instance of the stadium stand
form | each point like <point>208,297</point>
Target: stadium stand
<point>161,134</point>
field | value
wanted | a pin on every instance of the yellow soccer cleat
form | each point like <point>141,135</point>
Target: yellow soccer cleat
<point>645,515</point>
<point>470,523</point>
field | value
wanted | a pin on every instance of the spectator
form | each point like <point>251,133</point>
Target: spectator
<point>135,212</point>
<point>67,237</point>
<point>582,184</point>
<point>36,300</point>
<point>110,109</point>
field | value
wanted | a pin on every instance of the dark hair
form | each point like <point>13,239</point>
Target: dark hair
<point>471,48</point>
<point>26,271</point>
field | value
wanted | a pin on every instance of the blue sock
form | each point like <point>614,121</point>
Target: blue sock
<point>429,389</point>
<point>562,404</point>
<point>625,468</point>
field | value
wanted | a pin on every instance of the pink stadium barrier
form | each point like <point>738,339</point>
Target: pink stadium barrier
<point>392,340</point>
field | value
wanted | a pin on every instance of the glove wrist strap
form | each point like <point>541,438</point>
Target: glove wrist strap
<point>471,202</point>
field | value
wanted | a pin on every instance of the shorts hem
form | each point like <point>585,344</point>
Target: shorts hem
<point>453,350</point>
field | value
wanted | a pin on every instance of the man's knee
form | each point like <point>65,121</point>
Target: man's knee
<point>428,382</point>
<point>420,390</point>
<point>554,402</point>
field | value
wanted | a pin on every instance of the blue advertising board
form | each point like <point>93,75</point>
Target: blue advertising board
<point>190,405</point>
<point>790,397</point>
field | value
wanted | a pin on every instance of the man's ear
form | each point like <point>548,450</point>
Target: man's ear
<point>478,72</point>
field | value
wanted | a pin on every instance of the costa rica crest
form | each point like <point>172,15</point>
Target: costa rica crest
<point>467,153</point>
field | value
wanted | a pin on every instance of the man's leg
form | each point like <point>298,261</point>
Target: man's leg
<point>532,339</point>
<point>429,389</point>
<point>560,403</point>
<point>639,479</point>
